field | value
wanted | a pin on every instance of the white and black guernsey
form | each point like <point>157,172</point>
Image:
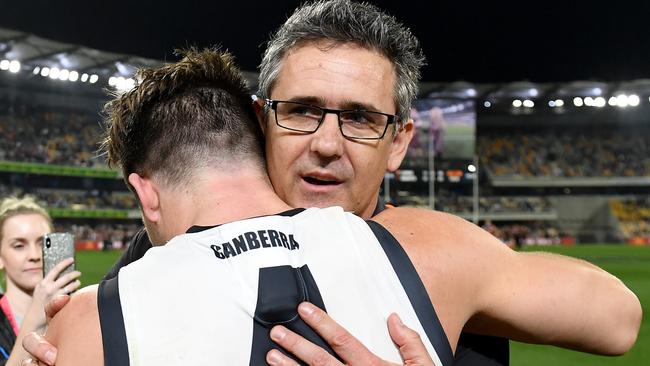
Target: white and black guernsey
<point>211,296</point>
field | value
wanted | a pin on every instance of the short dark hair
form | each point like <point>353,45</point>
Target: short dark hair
<point>182,117</point>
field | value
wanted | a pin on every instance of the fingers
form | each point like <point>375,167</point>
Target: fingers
<point>58,268</point>
<point>55,305</point>
<point>342,342</point>
<point>68,280</point>
<point>38,347</point>
<point>276,358</point>
<point>300,347</point>
<point>410,345</point>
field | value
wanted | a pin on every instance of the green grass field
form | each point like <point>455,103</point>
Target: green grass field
<point>630,264</point>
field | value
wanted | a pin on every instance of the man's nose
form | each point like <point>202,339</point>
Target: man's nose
<point>328,141</point>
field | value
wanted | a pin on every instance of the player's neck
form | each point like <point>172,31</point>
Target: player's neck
<point>223,199</point>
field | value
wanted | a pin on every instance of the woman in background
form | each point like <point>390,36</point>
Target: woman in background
<point>23,223</point>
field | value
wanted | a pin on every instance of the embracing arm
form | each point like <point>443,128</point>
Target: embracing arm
<point>553,299</point>
<point>475,279</point>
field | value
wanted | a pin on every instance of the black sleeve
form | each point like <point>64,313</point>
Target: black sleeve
<point>137,247</point>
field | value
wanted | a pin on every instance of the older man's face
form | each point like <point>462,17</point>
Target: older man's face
<point>324,168</point>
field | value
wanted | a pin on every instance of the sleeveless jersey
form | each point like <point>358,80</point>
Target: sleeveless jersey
<point>210,296</point>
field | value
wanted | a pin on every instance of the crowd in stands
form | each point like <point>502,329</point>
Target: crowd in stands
<point>100,236</point>
<point>462,204</point>
<point>567,153</point>
<point>103,235</point>
<point>75,199</point>
<point>494,205</point>
<point>50,136</point>
<point>534,233</point>
<point>633,214</point>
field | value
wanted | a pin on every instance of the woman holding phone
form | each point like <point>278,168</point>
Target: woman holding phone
<point>23,224</point>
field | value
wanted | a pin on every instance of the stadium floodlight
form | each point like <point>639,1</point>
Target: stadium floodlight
<point>74,76</point>
<point>54,73</point>
<point>622,101</point>
<point>487,104</point>
<point>577,101</point>
<point>4,65</point>
<point>516,103</point>
<point>124,84</point>
<point>528,103</point>
<point>471,168</point>
<point>599,102</point>
<point>589,101</point>
<point>130,83</point>
<point>559,103</point>
<point>37,70</point>
<point>551,103</point>
<point>84,77</point>
<point>64,74</point>
<point>112,80</point>
<point>14,66</point>
<point>93,78</point>
<point>45,72</point>
<point>633,100</point>
<point>612,101</point>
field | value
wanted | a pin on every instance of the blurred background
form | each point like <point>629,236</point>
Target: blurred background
<point>533,121</point>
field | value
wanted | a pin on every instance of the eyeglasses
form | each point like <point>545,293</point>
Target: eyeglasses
<point>353,123</point>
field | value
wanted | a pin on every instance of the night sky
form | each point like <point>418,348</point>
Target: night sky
<point>477,41</point>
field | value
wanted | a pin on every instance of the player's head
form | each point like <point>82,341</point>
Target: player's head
<point>23,223</point>
<point>183,117</point>
<point>337,55</point>
<point>182,121</point>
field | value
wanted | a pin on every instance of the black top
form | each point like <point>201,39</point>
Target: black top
<point>472,349</point>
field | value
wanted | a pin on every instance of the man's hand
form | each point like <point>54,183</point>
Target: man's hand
<point>36,344</point>
<point>343,343</point>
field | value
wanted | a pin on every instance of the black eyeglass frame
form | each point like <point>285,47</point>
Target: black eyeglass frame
<point>273,104</point>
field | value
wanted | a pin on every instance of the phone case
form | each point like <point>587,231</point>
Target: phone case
<point>57,247</point>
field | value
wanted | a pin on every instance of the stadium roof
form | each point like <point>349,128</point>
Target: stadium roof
<point>33,51</point>
<point>36,54</point>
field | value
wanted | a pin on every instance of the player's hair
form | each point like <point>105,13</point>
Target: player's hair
<point>14,206</point>
<point>183,117</point>
<point>344,21</point>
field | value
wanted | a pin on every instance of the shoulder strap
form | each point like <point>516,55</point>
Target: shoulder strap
<point>415,291</point>
<point>116,349</point>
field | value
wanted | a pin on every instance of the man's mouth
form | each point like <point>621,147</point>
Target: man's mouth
<point>321,181</point>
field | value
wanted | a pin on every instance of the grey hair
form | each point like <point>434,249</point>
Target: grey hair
<point>345,21</point>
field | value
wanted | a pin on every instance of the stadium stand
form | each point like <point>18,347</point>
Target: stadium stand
<point>567,153</point>
<point>633,214</point>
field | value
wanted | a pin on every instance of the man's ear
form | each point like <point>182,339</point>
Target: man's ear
<point>260,112</point>
<point>148,196</point>
<point>400,144</point>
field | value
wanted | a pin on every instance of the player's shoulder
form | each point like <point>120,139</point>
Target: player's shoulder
<point>76,332</point>
<point>421,229</point>
<point>82,305</point>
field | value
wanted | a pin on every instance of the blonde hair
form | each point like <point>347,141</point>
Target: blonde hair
<point>12,206</point>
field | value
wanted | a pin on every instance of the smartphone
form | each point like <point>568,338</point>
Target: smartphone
<point>57,247</point>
